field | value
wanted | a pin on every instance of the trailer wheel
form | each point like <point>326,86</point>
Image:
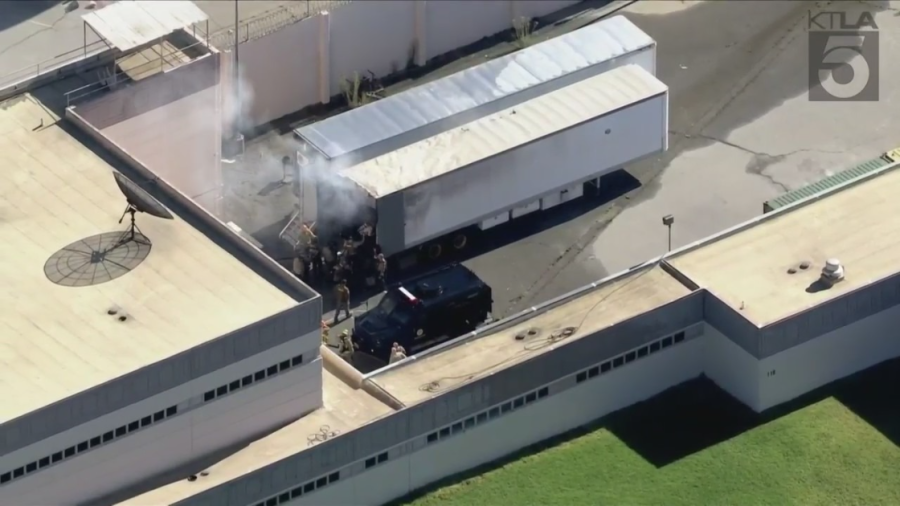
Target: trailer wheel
<point>434,251</point>
<point>460,241</point>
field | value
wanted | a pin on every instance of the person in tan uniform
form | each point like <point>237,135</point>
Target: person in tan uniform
<point>398,353</point>
<point>347,347</point>
<point>342,300</point>
<point>381,268</point>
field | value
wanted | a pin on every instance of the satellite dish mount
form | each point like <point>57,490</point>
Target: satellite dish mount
<point>133,233</point>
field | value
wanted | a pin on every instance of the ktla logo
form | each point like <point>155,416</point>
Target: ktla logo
<point>843,57</point>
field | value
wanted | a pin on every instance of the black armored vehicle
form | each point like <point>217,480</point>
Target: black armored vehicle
<point>424,311</point>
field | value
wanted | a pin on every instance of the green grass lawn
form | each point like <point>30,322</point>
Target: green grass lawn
<point>694,445</point>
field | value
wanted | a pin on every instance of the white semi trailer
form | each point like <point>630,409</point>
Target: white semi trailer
<point>433,194</point>
<point>391,123</point>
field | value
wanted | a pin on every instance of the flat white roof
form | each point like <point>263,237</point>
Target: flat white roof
<point>344,409</point>
<point>59,340</point>
<point>127,25</point>
<point>471,88</point>
<point>505,130</point>
<point>748,269</point>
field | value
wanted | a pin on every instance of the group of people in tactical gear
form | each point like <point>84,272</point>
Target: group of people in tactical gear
<point>347,260</point>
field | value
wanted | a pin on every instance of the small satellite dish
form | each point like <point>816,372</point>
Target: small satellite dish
<point>140,200</point>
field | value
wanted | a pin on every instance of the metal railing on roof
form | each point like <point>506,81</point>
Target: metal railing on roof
<point>272,21</point>
<point>167,60</point>
<point>52,64</point>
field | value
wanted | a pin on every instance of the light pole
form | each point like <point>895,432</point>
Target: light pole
<point>237,72</point>
<point>668,220</point>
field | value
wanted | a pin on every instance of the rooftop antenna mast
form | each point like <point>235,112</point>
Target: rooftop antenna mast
<point>133,233</point>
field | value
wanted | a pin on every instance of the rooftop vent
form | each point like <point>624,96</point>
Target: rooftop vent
<point>833,271</point>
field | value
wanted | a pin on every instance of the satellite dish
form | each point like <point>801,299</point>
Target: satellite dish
<point>141,201</point>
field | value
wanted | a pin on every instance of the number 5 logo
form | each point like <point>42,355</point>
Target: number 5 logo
<point>839,51</point>
<point>855,52</point>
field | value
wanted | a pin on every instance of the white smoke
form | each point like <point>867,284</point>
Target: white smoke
<point>239,97</point>
<point>263,163</point>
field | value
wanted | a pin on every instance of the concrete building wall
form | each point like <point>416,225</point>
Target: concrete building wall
<point>417,422</point>
<point>171,122</point>
<point>279,73</point>
<point>185,423</point>
<point>829,357</point>
<point>504,428</point>
<point>305,63</point>
<point>144,385</point>
<point>731,367</point>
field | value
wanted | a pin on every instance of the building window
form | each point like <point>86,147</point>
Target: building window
<point>481,418</point>
<point>642,352</point>
<point>309,487</point>
<point>82,446</point>
<point>333,477</point>
<point>445,432</point>
<point>630,356</point>
<point>580,377</point>
<point>666,342</point>
<point>171,411</point>
<point>30,468</point>
<point>654,347</point>
<point>297,492</point>
<point>605,367</point>
<point>543,392</point>
<point>297,360</point>
<point>285,497</point>
<point>382,457</point>
<point>370,462</point>
<point>679,337</point>
<point>234,385</point>
<point>470,422</point>
<point>593,372</point>
<point>433,437</point>
<point>618,361</point>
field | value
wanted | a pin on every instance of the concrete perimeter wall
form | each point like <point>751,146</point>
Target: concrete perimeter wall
<point>171,123</point>
<point>304,63</point>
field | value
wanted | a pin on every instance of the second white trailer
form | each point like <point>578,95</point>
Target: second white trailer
<point>516,161</point>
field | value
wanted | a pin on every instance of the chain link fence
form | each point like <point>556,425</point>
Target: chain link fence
<point>272,21</point>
